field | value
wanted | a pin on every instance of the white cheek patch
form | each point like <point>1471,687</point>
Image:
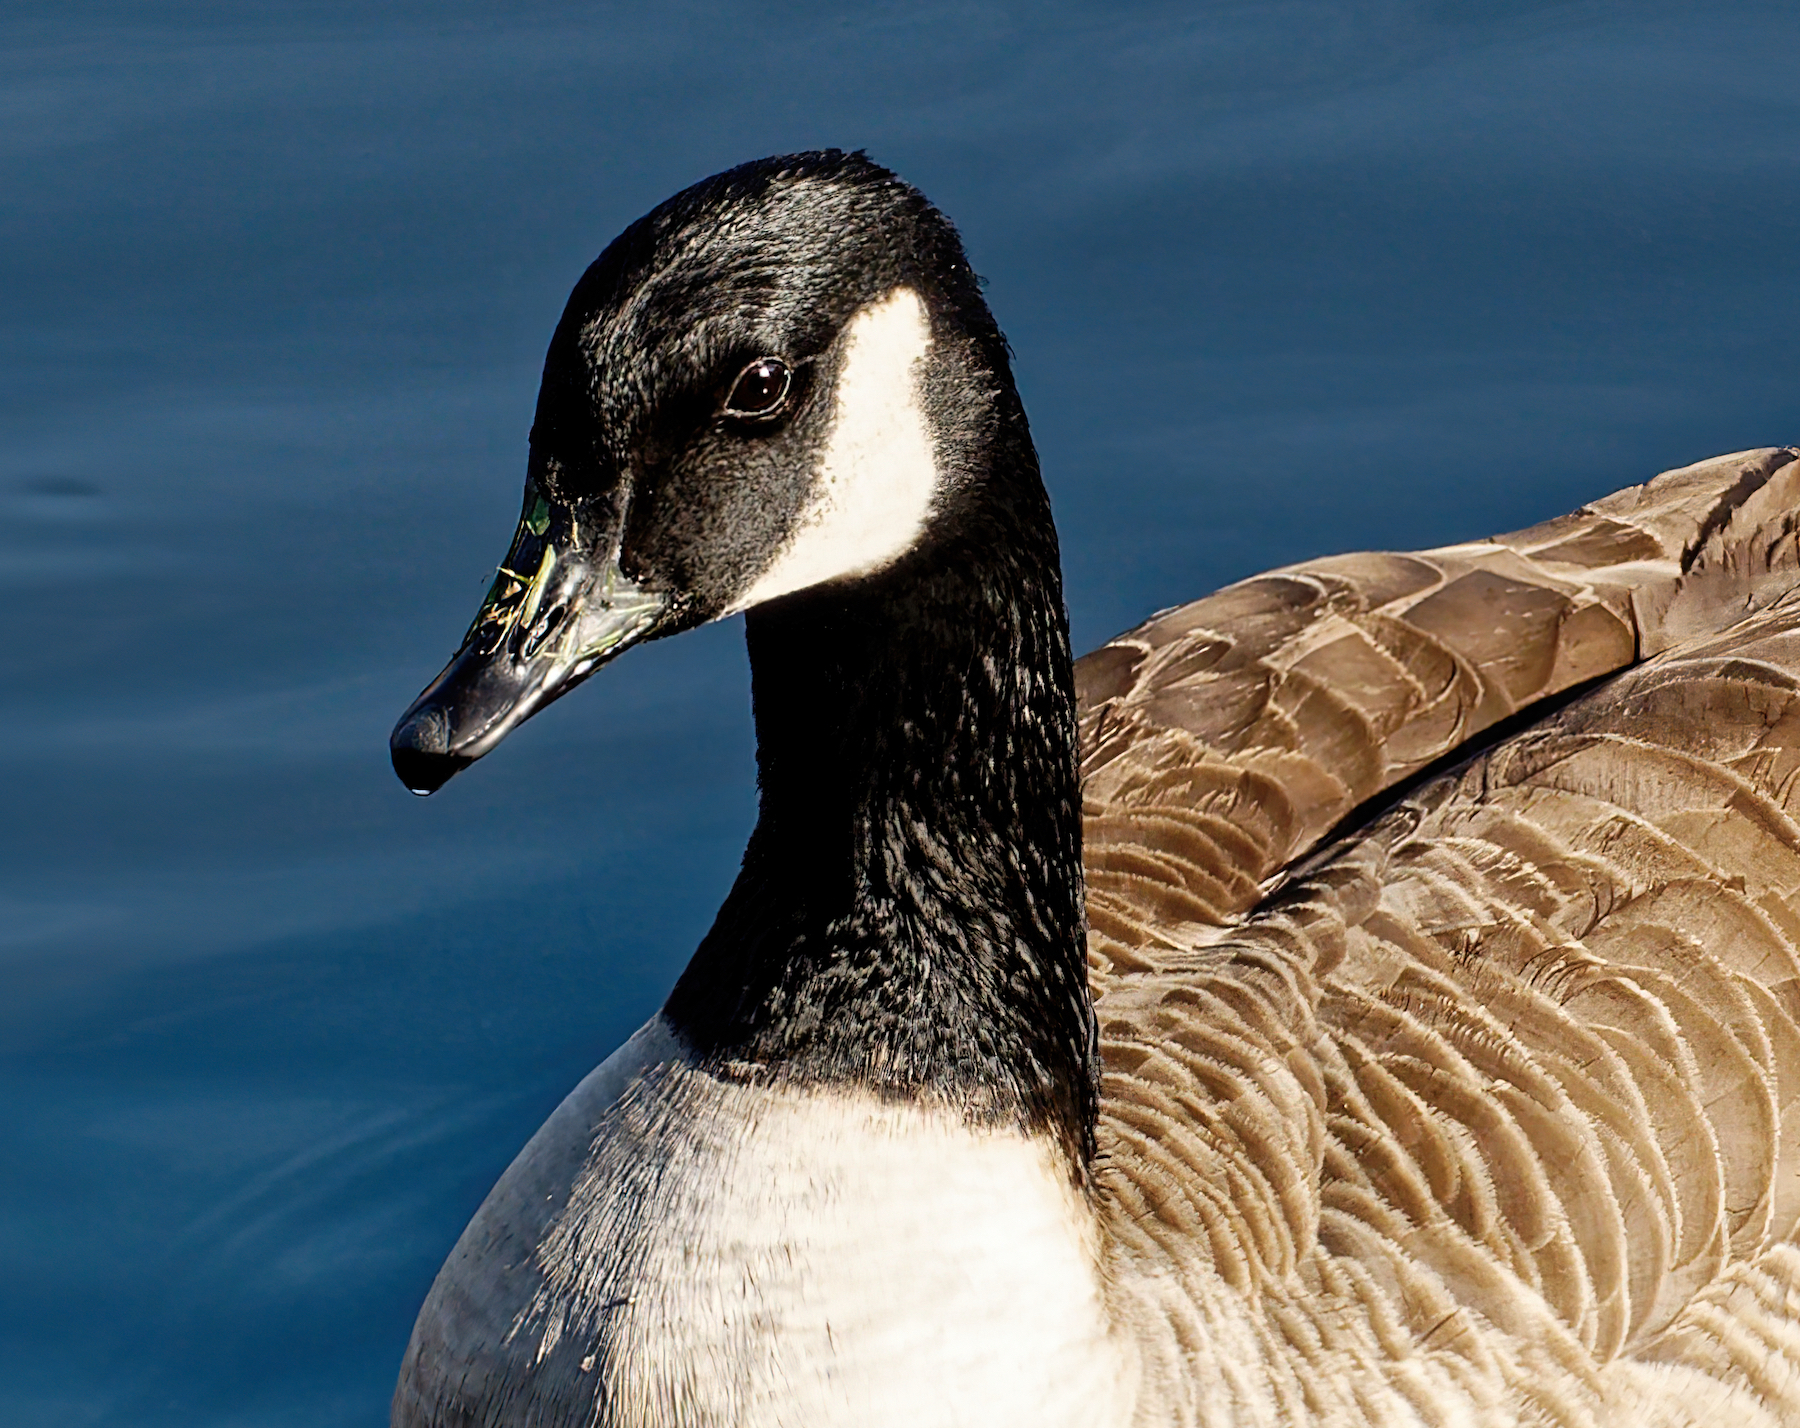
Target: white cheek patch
<point>877,479</point>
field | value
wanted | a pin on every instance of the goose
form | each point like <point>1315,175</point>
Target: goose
<point>1368,994</point>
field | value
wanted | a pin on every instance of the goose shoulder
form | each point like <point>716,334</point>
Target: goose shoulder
<point>1504,1088</point>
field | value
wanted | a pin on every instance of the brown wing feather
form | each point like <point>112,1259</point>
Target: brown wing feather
<point>1497,1104</point>
<point>1223,739</point>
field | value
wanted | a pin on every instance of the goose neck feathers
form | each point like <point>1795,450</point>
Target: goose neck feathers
<point>909,914</point>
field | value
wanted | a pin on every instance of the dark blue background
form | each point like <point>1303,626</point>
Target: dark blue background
<point>275,284</point>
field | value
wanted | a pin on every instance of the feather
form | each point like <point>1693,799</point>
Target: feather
<point>1502,1089</point>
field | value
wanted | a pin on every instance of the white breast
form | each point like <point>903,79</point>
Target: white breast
<point>729,1255</point>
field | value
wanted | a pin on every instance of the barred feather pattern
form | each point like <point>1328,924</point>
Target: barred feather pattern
<point>1221,740</point>
<point>1490,1111</point>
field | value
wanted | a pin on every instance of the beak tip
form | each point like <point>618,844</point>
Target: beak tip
<point>424,773</point>
<point>419,749</point>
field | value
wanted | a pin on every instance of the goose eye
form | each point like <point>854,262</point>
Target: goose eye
<point>760,389</point>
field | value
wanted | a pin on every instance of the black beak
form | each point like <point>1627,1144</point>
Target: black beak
<point>559,608</point>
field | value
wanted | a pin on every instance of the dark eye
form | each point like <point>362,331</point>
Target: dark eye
<point>760,390</point>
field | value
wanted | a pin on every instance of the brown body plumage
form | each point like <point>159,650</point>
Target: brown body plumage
<point>1492,1105</point>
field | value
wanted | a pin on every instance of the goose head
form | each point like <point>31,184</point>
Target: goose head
<point>781,379</point>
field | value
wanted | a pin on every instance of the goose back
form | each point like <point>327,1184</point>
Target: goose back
<point>1223,739</point>
<point>1497,1101</point>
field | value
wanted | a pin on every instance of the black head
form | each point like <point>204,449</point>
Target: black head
<point>766,384</point>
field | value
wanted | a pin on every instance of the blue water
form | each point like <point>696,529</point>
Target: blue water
<point>275,285</point>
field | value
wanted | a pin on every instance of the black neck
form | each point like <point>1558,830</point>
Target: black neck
<point>909,917</point>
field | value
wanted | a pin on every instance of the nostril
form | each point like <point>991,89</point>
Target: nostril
<point>545,628</point>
